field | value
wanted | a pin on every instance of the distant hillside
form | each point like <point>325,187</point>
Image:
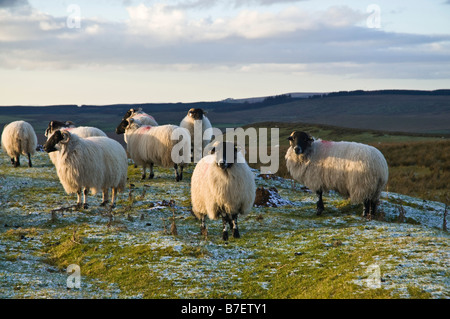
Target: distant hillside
<point>387,110</point>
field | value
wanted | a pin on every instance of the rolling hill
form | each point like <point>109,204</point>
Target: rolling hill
<point>388,110</point>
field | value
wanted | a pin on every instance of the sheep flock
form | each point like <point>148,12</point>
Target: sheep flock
<point>222,186</point>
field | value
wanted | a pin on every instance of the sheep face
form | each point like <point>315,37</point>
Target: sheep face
<point>56,138</point>
<point>129,113</point>
<point>196,114</point>
<point>56,125</point>
<point>122,126</point>
<point>225,154</point>
<point>300,142</point>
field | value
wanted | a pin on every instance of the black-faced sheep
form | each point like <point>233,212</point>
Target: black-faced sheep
<point>222,185</point>
<point>141,116</point>
<point>154,145</point>
<point>18,138</point>
<point>95,163</point>
<point>196,121</point>
<point>81,131</point>
<point>354,170</point>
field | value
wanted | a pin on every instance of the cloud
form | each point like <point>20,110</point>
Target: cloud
<point>13,3</point>
<point>158,37</point>
<point>206,4</point>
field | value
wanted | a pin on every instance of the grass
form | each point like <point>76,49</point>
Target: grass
<point>284,252</point>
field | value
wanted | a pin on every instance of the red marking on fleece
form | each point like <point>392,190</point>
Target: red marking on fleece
<point>145,128</point>
<point>327,143</point>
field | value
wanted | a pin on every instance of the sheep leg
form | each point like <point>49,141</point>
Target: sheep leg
<point>13,161</point>
<point>234,227</point>
<point>105,195</point>
<point>144,168</point>
<point>85,193</point>
<point>16,162</point>
<point>29,160</point>
<point>366,212</point>
<point>225,228</point>
<point>177,176</point>
<point>203,229</point>
<point>151,171</point>
<point>79,198</point>
<point>320,206</point>
<point>373,207</point>
<point>113,197</point>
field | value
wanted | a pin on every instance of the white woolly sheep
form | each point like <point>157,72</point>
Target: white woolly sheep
<point>189,122</point>
<point>18,138</point>
<point>222,185</point>
<point>354,170</point>
<point>141,116</point>
<point>153,145</point>
<point>95,163</point>
<point>81,131</point>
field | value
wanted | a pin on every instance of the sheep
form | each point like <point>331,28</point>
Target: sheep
<point>189,122</point>
<point>81,131</point>
<point>149,145</point>
<point>354,170</point>
<point>222,185</point>
<point>140,115</point>
<point>95,163</point>
<point>18,138</point>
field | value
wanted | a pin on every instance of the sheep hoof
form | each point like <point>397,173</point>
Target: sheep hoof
<point>225,235</point>
<point>319,211</point>
<point>113,206</point>
<point>203,231</point>
<point>85,206</point>
<point>104,203</point>
<point>178,178</point>
<point>143,176</point>
<point>236,233</point>
<point>151,176</point>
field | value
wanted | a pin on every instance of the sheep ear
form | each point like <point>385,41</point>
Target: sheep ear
<point>204,112</point>
<point>212,151</point>
<point>69,123</point>
<point>65,136</point>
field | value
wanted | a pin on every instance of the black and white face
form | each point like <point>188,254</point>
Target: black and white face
<point>50,145</point>
<point>129,113</point>
<point>300,142</point>
<point>56,125</point>
<point>226,154</point>
<point>196,114</point>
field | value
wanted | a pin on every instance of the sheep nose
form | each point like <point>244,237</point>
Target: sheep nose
<point>297,150</point>
<point>222,163</point>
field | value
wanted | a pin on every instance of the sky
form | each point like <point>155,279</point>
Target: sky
<point>126,51</point>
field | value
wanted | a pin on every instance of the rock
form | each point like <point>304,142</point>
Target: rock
<point>269,197</point>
